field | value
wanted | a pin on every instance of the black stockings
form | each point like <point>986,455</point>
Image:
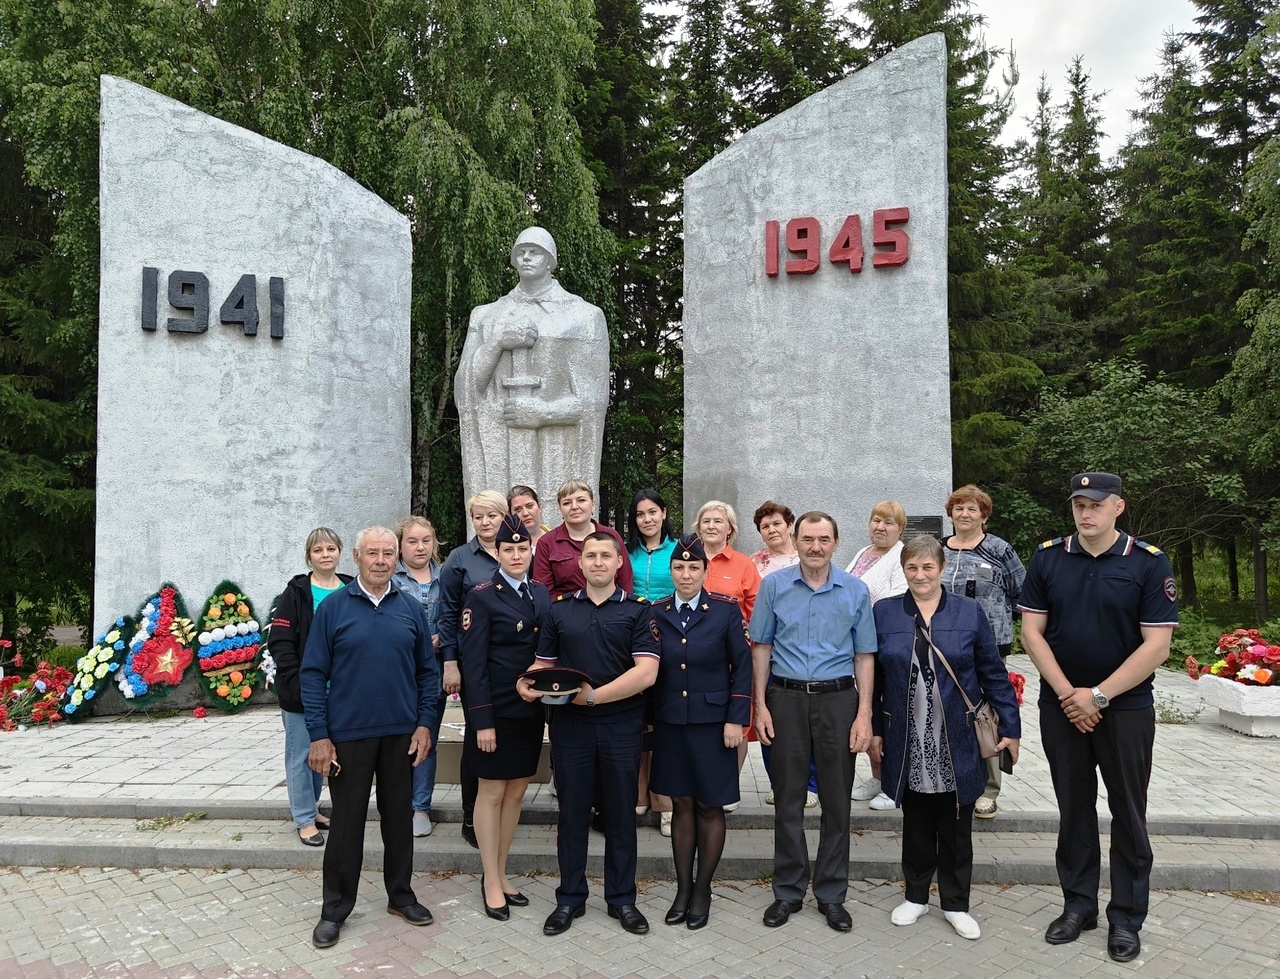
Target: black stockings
<point>696,830</point>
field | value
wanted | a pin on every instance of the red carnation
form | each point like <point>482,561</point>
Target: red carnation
<point>199,712</point>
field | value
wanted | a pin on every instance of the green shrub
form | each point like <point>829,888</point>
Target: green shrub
<point>1197,635</point>
<point>65,656</point>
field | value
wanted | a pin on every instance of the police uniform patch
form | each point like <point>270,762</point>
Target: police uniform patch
<point>466,619</point>
<point>1170,589</point>
<point>653,631</point>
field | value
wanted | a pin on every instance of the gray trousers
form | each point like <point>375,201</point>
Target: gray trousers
<point>805,722</point>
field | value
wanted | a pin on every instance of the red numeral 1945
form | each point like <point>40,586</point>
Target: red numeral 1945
<point>804,240</point>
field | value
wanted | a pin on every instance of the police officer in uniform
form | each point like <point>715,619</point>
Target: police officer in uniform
<point>613,638</point>
<point>498,640</point>
<point>1098,610</point>
<point>702,701</point>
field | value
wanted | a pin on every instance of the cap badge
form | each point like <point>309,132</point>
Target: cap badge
<point>686,555</point>
<point>1084,480</point>
<point>555,686</point>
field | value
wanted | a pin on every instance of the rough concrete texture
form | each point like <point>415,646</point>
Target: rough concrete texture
<point>218,452</point>
<point>830,390</point>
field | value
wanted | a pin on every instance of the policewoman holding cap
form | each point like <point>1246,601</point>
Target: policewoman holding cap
<point>702,702</point>
<point>497,641</point>
<point>1098,612</point>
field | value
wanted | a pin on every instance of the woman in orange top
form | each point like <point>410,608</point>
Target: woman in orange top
<point>729,572</point>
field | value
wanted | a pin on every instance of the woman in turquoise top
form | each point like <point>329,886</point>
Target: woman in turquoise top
<point>652,539</point>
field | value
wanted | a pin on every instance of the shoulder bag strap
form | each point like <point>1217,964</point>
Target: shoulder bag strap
<point>968,703</point>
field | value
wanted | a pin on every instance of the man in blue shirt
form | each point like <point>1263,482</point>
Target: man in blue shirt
<point>812,629</point>
<point>370,684</point>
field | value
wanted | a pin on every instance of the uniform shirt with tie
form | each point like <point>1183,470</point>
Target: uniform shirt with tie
<point>704,676</point>
<point>498,639</point>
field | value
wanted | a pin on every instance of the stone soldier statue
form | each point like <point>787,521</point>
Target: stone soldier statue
<point>533,380</point>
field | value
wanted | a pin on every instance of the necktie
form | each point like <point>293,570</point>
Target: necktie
<point>684,609</point>
<point>525,593</point>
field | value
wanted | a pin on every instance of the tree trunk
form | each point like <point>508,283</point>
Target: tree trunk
<point>1233,570</point>
<point>1187,572</point>
<point>1261,606</point>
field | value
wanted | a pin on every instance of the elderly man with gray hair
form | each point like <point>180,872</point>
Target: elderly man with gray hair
<point>370,686</point>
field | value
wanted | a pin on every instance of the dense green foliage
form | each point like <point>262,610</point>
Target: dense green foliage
<point>1104,313</point>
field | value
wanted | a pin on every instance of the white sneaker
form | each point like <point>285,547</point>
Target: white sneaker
<point>881,802</point>
<point>908,913</point>
<point>422,824</point>
<point>867,791</point>
<point>811,800</point>
<point>768,800</point>
<point>664,824</point>
<point>964,925</point>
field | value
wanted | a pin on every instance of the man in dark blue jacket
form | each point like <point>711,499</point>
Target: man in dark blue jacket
<point>370,685</point>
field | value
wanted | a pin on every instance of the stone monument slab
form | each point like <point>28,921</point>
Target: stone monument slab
<point>816,363</point>
<point>253,358</point>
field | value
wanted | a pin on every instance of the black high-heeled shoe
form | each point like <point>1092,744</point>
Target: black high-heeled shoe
<point>679,911</point>
<point>695,920</point>
<point>516,900</point>
<point>502,913</point>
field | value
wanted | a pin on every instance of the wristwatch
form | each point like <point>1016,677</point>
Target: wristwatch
<point>591,696</point>
<point>1100,699</point>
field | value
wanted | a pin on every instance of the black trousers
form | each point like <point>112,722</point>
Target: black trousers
<point>937,835</point>
<point>814,724</point>
<point>389,759</point>
<point>606,749</point>
<point>1120,748</point>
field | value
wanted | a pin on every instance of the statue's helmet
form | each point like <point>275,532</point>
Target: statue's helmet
<point>539,237</point>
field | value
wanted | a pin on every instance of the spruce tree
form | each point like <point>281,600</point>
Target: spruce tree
<point>992,379</point>
<point>628,136</point>
<point>782,51</point>
<point>1063,210</point>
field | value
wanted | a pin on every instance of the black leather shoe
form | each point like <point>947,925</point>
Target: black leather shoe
<point>631,918</point>
<point>501,913</point>
<point>695,921</point>
<point>469,834</point>
<point>677,914</point>
<point>1067,926</point>
<point>325,933</point>
<point>778,912</point>
<point>1123,944</point>
<point>315,839</point>
<point>836,915</point>
<point>415,914</point>
<point>322,822</point>
<point>497,914</point>
<point>559,920</point>
<point>516,900</point>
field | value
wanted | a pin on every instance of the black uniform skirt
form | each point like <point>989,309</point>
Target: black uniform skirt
<point>691,759</point>
<point>519,747</point>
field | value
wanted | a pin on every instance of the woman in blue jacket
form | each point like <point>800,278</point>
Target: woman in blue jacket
<point>930,763</point>
<point>702,701</point>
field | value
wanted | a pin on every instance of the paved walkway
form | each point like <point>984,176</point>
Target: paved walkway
<point>111,794</point>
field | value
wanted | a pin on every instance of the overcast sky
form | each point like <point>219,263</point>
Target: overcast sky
<point>1119,40</point>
